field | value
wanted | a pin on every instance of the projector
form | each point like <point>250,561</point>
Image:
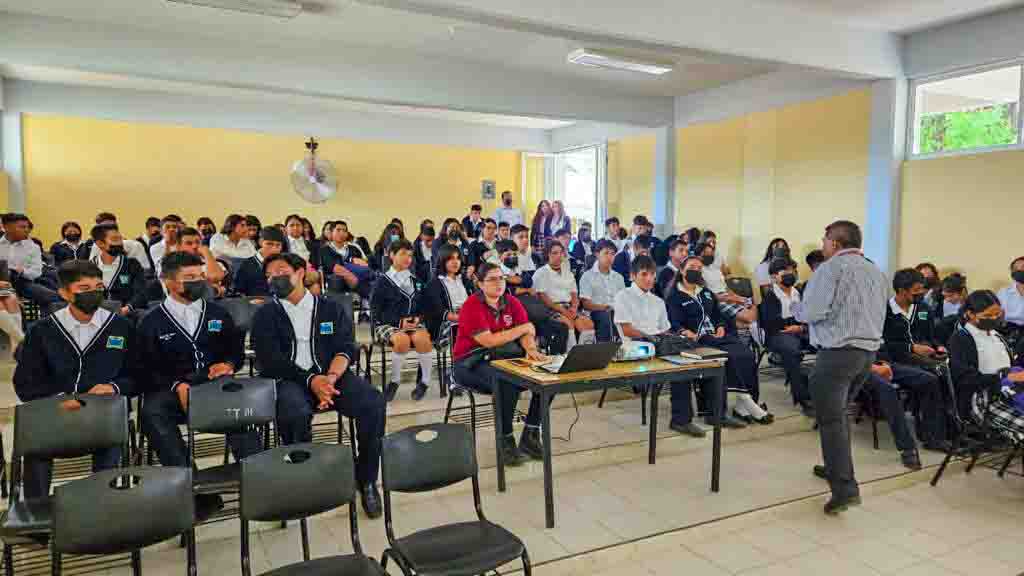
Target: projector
<point>635,350</point>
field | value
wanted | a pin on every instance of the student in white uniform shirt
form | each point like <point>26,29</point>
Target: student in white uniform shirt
<point>777,248</point>
<point>556,287</point>
<point>170,227</point>
<point>25,262</point>
<point>598,288</point>
<point>640,314</point>
<point>1011,299</point>
<point>296,242</point>
<point>135,249</point>
<point>233,240</point>
<point>611,228</point>
<point>506,213</point>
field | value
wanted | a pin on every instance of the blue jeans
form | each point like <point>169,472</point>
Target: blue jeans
<point>604,328</point>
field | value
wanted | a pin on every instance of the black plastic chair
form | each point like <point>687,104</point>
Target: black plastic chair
<point>44,428</point>
<point>100,515</point>
<point>293,483</point>
<point>430,457</point>
<point>741,286</point>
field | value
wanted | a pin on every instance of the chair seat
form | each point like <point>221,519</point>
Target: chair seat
<point>350,565</point>
<point>217,478</point>
<point>463,549</point>
<point>27,517</point>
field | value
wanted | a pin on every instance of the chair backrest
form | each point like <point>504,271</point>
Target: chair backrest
<point>231,404</point>
<point>102,515</point>
<point>296,481</point>
<point>241,311</point>
<point>53,428</point>
<point>741,286</point>
<point>344,299</point>
<point>428,457</point>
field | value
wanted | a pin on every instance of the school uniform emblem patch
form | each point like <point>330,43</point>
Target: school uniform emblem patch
<point>215,325</point>
<point>326,328</point>
<point>125,279</point>
<point>922,315</point>
<point>115,342</point>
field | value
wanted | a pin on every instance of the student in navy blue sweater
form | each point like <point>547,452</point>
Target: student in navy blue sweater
<point>185,342</point>
<point>71,247</point>
<point>79,349</point>
<point>306,343</point>
<point>396,309</point>
<point>123,277</point>
<point>623,260</point>
<point>249,278</point>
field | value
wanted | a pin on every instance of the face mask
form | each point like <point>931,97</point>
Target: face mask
<point>193,290</point>
<point>584,236</point>
<point>780,252</point>
<point>281,286</point>
<point>394,238</point>
<point>73,238</point>
<point>88,302</point>
<point>917,299</point>
<point>507,202</point>
<point>707,260</point>
<point>694,277</point>
<point>1018,276</point>
<point>789,280</point>
<point>115,250</point>
<point>989,324</point>
<point>512,262</point>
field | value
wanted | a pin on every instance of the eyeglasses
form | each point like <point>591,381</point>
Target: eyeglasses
<point>494,281</point>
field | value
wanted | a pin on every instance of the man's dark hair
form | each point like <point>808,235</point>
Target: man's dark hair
<point>517,229</point>
<point>502,224</point>
<point>172,218</point>
<point>484,268</point>
<point>294,261</point>
<point>505,246</point>
<point>106,217</point>
<point>639,220</point>
<point>1015,260</point>
<point>487,221</point>
<point>641,263</point>
<point>230,222</point>
<point>844,233</point>
<point>610,221</point>
<point>906,278</point>
<point>476,208</point>
<point>605,244</point>
<point>12,217</point>
<point>152,221</point>
<point>74,270</point>
<point>428,231</point>
<point>204,221</point>
<point>251,220</point>
<point>190,231</point>
<point>271,234</point>
<point>563,232</point>
<point>171,263</point>
<point>779,264</point>
<point>955,282</point>
<point>676,244</point>
<point>399,245</point>
<point>99,231</point>
<point>814,258</point>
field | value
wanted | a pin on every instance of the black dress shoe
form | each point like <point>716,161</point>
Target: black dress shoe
<point>510,453</point>
<point>207,505</point>
<point>390,391</point>
<point>419,392</point>
<point>745,418</point>
<point>807,409</point>
<point>530,444</point>
<point>730,422</point>
<point>836,505</point>
<point>688,428</point>
<point>911,459</point>
<point>371,500</point>
<point>821,472</point>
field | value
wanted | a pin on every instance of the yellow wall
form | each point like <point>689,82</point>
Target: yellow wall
<point>76,167</point>
<point>4,194</point>
<point>963,213</point>
<point>631,177</point>
<point>535,189</point>
<point>787,172</point>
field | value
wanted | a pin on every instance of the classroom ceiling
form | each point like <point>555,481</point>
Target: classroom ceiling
<point>899,16</point>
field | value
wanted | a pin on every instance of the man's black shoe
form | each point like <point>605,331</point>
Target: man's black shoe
<point>530,444</point>
<point>836,505</point>
<point>390,391</point>
<point>911,459</point>
<point>371,500</point>
<point>510,452</point>
<point>688,428</point>
<point>821,472</point>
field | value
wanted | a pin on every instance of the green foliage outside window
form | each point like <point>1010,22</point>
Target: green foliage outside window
<point>984,127</point>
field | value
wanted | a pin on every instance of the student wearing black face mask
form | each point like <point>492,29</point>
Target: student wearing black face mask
<point>79,349</point>
<point>206,229</point>
<point>71,247</point>
<point>506,213</point>
<point>305,343</point>
<point>777,248</point>
<point>123,277</point>
<point>932,285</point>
<point>185,342</point>
<point>783,334</point>
<point>1011,299</point>
<point>582,247</point>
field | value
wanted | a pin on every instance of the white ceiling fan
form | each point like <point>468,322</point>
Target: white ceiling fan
<point>315,180</point>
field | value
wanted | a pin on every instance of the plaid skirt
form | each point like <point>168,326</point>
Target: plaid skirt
<point>1003,416</point>
<point>384,332</point>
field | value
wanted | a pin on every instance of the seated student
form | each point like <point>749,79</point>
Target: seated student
<point>908,343</point>
<point>954,292</point>
<point>813,259</point>
<point>396,307</point>
<point>564,237</point>
<point>306,343</point>
<point>526,265</point>
<point>694,313</point>
<point>381,250</point>
<point>250,280</point>
<point>733,306</point>
<point>451,233</point>
<point>640,246</point>
<point>691,237</point>
<point>25,262</point>
<point>253,227</point>
<point>582,247</point>
<point>445,294</point>
<point>1011,299</point>
<point>783,334</point>
<point>343,265</point>
<point>185,342</point>
<point>473,223</point>
<point>932,285</point>
<point>556,288</point>
<point>482,249</point>
<point>298,244</point>
<point>612,230</point>
<point>152,236</point>
<point>977,357</point>
<point>667,275</point>
<point>135,249</point>
<point>123,278</point>
<point>504,231</point>
<point>71,247</point>
<point>881,383</point>
<point>218,270</point>
<point>777,248</point>
<point>233,240</point>
<point>493,319</point>
<point>206,229</point>
<point>170,227</point>
<point>640,314</point>
<point>598,288</point>
<point>80,349</point>
<point>423,253</point>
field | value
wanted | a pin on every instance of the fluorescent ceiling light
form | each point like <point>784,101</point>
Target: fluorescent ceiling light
<point>276,8</point>
<point>598,59</point>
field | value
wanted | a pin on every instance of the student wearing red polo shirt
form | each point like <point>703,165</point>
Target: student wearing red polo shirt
<point>490,318</point>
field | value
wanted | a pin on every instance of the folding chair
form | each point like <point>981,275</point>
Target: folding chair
<point>427,458</point>
<point>100,514</point>
<point>293,483</point>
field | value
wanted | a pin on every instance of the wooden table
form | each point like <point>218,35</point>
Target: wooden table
<point>653,373</point>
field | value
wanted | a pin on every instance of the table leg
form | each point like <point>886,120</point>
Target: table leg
<point>498,432</point>
<point>549,489</point>
<point>716,411</point>
<point>655,391</point>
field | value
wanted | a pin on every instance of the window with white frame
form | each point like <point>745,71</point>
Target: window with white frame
<point>969,111</point>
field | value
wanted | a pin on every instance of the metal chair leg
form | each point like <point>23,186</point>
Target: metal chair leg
<point>448,409</point>
<point>600,402</point>
<point>55,567</point>
<point>137,563</point>
<point>643,405</point>
<point>8,560</point>
<point>1009,459</point>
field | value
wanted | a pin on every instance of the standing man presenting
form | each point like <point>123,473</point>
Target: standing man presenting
<point>844,306</point>
<point>506,213</point>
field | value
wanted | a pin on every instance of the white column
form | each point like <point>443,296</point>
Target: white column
<point>664,212</point>
<point>886,152</point>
